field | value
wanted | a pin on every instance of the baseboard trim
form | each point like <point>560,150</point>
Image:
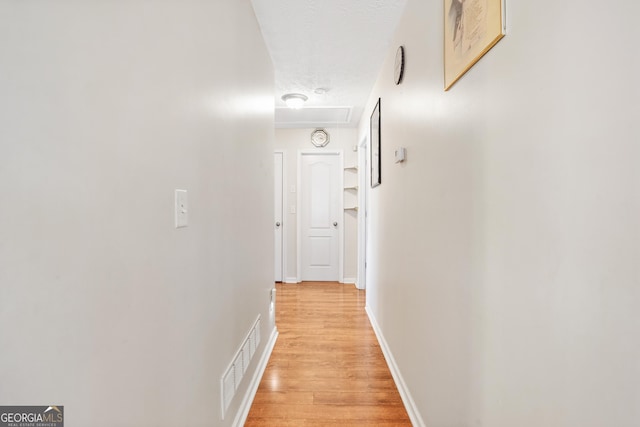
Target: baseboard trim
<point>349,280</point>
<point>245,406</point>
<point>409,404</point>
<point>291,280</point>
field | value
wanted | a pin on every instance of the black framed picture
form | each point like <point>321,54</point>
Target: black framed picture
<point>374,137</point>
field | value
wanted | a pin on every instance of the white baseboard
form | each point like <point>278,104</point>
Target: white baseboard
<point>291,280</point>
<point>245,406</point>
<point>409,404</point>
<point>349,280</point>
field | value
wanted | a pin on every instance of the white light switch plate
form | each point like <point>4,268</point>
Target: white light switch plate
<point>182,218</point>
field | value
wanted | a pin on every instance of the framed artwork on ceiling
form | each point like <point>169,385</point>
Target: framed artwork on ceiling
<point>471,29</point>
<point>374,137</point>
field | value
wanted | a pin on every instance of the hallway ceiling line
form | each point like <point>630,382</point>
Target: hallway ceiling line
<point>329,50</point>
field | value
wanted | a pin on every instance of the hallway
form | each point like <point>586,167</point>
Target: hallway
<point>327,367</point>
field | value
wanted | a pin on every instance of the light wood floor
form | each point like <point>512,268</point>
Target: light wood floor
<point>326,368</point>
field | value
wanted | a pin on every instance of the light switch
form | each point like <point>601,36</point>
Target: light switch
<point>182,218</point>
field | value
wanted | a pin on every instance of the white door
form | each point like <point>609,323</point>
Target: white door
<point>320,216</point>
<point>279,206</point>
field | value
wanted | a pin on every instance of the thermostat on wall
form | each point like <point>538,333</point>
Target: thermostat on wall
<point>400,154</point>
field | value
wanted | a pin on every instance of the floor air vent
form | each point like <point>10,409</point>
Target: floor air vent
<point>235,372</point>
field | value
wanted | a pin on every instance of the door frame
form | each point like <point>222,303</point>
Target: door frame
<point>363,200</point>
<point>325,152</point>
<point>284,221</point>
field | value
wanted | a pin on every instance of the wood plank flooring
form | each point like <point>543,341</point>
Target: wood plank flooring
<point>327,368</point>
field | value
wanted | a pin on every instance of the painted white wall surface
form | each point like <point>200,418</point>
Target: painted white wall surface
<point>105,109</point>
<point>505,251</point>
<point>291,141</point>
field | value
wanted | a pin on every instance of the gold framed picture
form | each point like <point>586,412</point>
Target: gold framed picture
<point>471,29</point>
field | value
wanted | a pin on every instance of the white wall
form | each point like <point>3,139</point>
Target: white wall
<point>504,271</point>
<point>291,141</point>
<point>105,109</point>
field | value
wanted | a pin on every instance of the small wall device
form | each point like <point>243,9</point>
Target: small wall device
<point>401,154</point>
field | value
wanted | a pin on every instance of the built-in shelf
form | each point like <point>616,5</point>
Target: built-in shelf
<point>355,188</point>
<point>351,168</point>
<point>355,208</point>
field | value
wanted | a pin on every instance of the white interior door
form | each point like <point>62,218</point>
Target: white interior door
<point>278,214</point>
<point>320,192</point>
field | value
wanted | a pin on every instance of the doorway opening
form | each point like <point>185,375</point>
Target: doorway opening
<point>363,185</point>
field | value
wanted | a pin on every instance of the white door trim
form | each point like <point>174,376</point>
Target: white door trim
<point>363,186</point>
<point>340,208</point>
<point>284,213</point>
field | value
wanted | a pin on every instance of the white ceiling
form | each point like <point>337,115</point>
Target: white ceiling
<point>337,45</point>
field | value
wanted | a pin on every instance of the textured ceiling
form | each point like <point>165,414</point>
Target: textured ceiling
<point>338,45</point>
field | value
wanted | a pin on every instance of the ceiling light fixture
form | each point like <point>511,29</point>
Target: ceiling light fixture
<point>294,100</point>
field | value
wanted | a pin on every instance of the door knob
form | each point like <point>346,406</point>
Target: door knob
<point>335,223</point>
<point>278,224</point>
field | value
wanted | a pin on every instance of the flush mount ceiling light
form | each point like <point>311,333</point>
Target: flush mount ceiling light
<point>294,100</point>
